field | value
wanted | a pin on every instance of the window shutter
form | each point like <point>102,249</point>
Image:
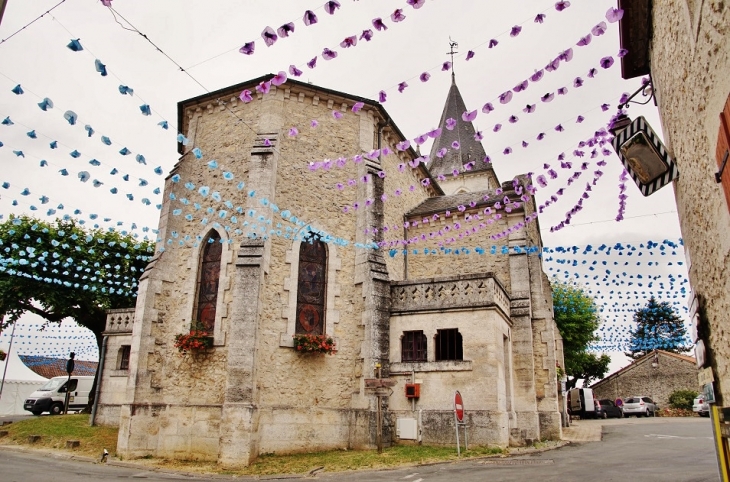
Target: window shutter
<point>723,150</point>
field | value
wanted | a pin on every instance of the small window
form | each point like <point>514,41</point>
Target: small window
<point>124,357</point>
<point>449,345</point>
<point>413,347</point>
<point>647,399</point>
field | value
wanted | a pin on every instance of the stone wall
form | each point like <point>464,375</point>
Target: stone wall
<point>468,182</point>
<point>252,392</point>
<point>242,398</point>
<point>642,379</point>
<point>690,62</point>
<point>113,383</point>
<point>477,305</point>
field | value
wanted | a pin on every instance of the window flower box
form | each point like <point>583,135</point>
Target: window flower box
<point>314,344</point>
<point>196,341</point>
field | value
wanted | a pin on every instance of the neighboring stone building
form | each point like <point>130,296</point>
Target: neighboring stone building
<point>657,374</point>
<point>437,311</point>
<point>685,46</point>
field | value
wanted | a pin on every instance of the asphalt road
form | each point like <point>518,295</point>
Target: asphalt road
<point>643,450</point>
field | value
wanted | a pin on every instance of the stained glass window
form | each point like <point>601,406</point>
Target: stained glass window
<point>208,277</point>
<point>311,287</point>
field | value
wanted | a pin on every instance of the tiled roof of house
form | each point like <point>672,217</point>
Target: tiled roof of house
<point>55,367</point>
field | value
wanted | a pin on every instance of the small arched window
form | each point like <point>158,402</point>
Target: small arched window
<point>414,347</point>
<point>208,278</point>
<point>449,345</point>
<point>311,287</point>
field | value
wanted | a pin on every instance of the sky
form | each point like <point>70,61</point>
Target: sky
<point>171,50</point>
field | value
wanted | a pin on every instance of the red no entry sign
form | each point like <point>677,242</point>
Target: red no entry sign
<point>458,406</point>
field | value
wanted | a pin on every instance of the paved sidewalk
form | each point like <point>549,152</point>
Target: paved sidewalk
<point>583,431</point>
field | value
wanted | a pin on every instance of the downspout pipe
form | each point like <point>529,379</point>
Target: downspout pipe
<point>100,376</point>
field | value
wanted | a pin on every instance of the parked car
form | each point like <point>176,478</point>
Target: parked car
<point>639,406</point>
<point>701,406</point>
<point>607,408</point>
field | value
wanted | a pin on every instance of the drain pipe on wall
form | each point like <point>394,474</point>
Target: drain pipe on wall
<point>99,375</point>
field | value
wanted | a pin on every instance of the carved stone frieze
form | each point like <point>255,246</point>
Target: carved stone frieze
<point>454,292</point>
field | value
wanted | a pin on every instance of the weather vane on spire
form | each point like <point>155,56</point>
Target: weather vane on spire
<point>452,45</point>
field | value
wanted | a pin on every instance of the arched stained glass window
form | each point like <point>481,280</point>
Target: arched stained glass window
<point>311,287</point>
<point>208,277</point>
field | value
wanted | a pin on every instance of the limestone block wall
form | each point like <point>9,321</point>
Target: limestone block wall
<point>642,379</point>
<point>174,403</point>
<point>690,62</point>
<point>439,263</point>
<point>481,374</point>
<point>400,200</point>
<point>477,306</point>
<point>113,379</point>
<point>467,183</point>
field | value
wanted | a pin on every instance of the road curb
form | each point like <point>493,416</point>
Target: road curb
<point>519,452</point>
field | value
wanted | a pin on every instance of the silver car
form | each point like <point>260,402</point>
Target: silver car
<point>639,406</point>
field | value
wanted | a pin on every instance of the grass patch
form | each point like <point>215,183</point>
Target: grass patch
<point>334,460</point>
<point>56,430</point>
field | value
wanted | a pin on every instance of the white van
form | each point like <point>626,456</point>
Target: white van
<point>581,402</point>
<point>51,396</point>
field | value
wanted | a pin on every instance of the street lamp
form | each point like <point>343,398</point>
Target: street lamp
<point>640,149</point>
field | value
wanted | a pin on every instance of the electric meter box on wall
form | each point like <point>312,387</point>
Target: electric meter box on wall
<point>50,397</point>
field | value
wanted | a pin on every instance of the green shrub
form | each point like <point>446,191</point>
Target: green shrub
<point>682,399</point>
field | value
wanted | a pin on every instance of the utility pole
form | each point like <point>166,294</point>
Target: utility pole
<point>12,335</point>
<point>3,3</point>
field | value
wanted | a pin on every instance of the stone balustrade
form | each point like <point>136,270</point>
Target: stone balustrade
<point>452,292</point>
<point>120,320</point>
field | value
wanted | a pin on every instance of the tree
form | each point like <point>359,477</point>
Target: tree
<point>658,326</point>
<point>577,318</point>
<point>59,270</point>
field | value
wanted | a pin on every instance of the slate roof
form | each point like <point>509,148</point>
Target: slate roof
<point>55,367</point>
<point>470,149</point>
<point>451,202</point>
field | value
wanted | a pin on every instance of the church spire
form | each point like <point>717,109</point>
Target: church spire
<point>463,133</point>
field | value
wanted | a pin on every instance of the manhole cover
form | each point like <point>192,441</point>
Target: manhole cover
<point>516,462</point>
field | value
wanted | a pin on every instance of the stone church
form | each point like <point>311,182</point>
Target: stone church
<point>279,239</point>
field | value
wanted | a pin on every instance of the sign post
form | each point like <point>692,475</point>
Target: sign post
<point>459,421</point>
<point>380,387</point>
<point>69,370</point>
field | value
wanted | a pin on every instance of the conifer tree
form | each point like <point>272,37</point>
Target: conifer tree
<point>658,326</point>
